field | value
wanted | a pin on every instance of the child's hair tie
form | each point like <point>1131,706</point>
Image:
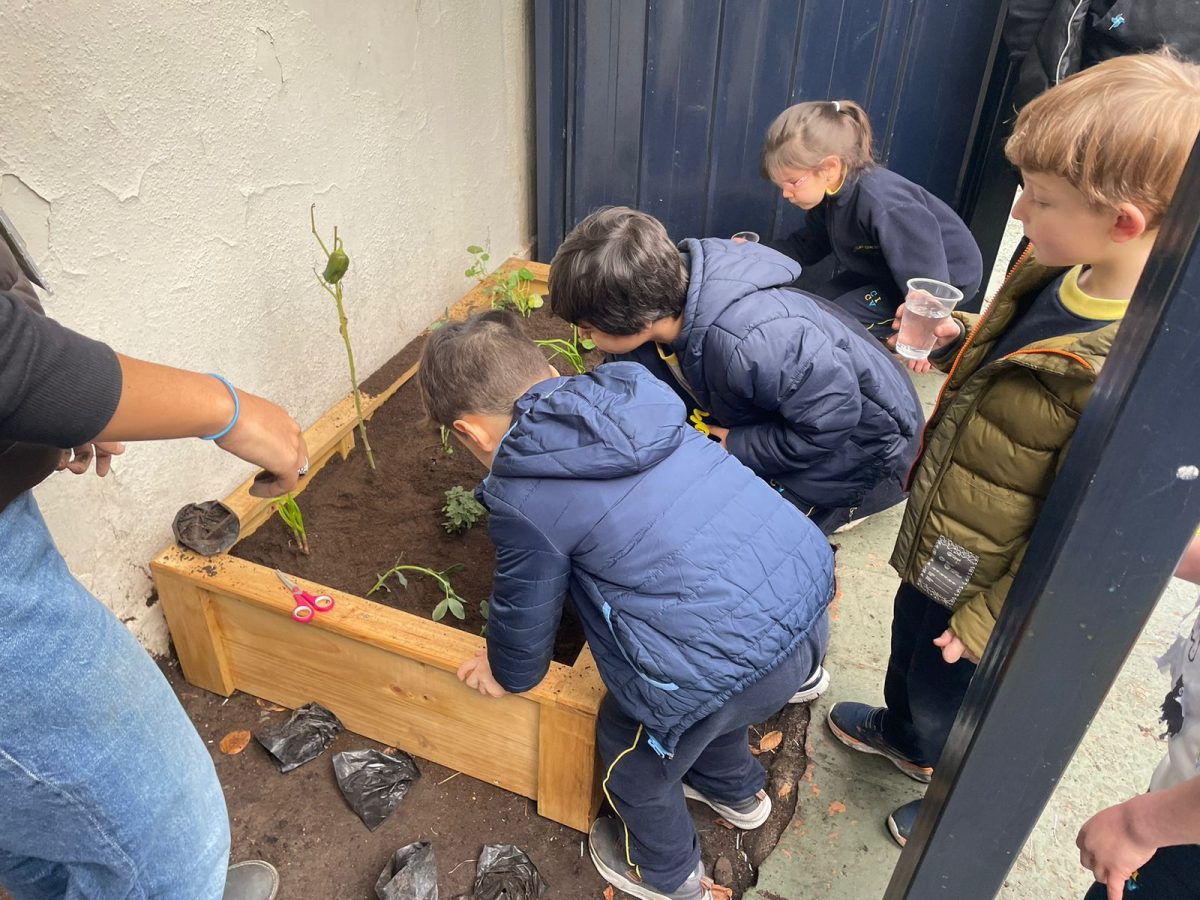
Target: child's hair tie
<point>837,106</point>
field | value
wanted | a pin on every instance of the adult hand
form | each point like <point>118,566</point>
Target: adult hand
<point>476,673</point>
<point>720,434</point>
<point>79,460</point>
<point>1109,845</point>
<point>953,649</point>
<point>945,332</point>
<point>267,436</point>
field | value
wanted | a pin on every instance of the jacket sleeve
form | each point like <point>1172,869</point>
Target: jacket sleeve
<point>808,245</point>
<point>527,598</point>
<point>1023,23</point>
<point>56,387</point>
<point>943,359</point>
<point>790,369</point>
<point>975,620</point>
<point>910,239</point>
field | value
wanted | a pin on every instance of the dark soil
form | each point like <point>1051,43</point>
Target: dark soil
<point>361,522</point>
<point>301,824</point>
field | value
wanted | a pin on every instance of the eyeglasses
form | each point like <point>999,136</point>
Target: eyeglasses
<point>793,185</point>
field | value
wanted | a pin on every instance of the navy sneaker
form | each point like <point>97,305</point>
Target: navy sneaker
<point>902,820</point>
<point>747,814</point>
<point>814,687</point>
<point>606,841</point>
<point>857,725</point>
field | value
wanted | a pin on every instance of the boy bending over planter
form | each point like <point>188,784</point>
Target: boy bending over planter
<point>702,592</point>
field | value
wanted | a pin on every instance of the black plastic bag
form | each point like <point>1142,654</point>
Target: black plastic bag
<point>306,734</point>
<point>374,783</point>
<point>208,528</point>
<point>411,874</point>
<point>505,872</point>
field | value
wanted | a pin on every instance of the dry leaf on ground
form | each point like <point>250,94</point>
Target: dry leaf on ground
<point>234,742</point>
<point>770,741</point>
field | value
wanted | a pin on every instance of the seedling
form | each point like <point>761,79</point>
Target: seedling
<point>571,351</point>
<point>451,602</point>
<point>444,433</point>
<point>336,264</point>
<point>289,510</point>
<point>510,290</point>
<point>462,510</point>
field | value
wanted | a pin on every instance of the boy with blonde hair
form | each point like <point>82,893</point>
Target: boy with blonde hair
<point>1101,155</point>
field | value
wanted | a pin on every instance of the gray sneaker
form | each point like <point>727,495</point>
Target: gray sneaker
<point>747,814</point>
<point>606,841</point>
<point>251,880</point>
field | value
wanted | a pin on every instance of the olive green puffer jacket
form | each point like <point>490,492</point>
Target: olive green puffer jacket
<point>991,451</point>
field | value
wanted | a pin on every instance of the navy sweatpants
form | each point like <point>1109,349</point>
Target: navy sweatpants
<point>712,756</point>
<point>922,691</point>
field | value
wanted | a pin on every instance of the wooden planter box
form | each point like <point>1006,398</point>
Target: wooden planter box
<point>388,675</point>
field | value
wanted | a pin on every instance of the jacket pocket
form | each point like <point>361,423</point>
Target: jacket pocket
<point>634,653</point>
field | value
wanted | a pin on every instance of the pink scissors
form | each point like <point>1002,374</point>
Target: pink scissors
<point>307,605</point>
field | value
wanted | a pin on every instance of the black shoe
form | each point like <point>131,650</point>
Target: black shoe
<point>606,841</point>
<point>902,820</point>
<point>857,725</point>
<point>817,684</point>
<point>747,814</point>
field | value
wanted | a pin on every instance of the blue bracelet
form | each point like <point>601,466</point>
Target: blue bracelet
<point>237,410</point>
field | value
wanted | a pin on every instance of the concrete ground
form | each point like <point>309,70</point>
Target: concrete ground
<point>839,848</point>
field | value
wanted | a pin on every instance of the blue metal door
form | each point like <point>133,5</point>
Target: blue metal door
<point>662,104</point>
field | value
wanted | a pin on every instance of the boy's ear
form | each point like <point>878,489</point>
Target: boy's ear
<point>1129,224</point>
<point>473,433</point>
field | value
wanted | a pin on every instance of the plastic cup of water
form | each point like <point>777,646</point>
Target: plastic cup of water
<point>750,237</point>
<point>925,305</point>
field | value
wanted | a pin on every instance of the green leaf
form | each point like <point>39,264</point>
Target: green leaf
<point>535,301</point>
<point>485,257</point>
<point>587,344</point>
<point>524,274</point>
<point>511,280</point>
<point>484,609</point>
<point>457,567</point>
<point>470,273</point>
<point>475,248</point>
<point>403,581</point>
<point>456,607</point>
<point>439,611</point>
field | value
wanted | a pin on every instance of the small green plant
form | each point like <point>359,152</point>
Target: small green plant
<point>572,350</point>
<point>289,510</point>
<point>510,290</point>
<point>451,602</point>
<point>444,433</point>
<point>462,510</point>
<point>336,264</point>
<point>485,611</point>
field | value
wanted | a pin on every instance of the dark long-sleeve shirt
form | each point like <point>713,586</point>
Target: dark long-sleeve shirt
<point>887,229</point>
<point>57,388</point>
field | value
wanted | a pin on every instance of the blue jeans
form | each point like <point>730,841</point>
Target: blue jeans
<point>106,790</point>
<point>712,756</point>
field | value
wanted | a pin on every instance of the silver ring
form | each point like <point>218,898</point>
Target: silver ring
<point>303,470</point>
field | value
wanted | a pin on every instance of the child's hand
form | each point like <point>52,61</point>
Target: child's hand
<point>80,459</point>
<point>1109,846</point>
<point>953,649</point>
<point>946,332</point>
<point>477,674</point>
<point>719,433</point>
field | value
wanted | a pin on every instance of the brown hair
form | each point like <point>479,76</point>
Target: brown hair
<point>1119,132</point>
<point>618,271</point>
<point>805,134</point>
<point>479,365</point>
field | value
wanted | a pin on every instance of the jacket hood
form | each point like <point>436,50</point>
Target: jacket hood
<point>616,421</point>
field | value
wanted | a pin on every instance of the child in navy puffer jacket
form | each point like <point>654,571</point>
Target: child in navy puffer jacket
<point>702,593</point>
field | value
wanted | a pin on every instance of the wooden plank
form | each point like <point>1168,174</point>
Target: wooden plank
<point>568,788</point>
<point>369,623</point>
<point>420,708</point>
<point>198,638</point>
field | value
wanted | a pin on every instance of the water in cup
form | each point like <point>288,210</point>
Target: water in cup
<point>750,237</point>
<point>927,303</point>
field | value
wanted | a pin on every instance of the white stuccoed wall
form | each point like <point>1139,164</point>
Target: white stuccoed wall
<point>160,159</point>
